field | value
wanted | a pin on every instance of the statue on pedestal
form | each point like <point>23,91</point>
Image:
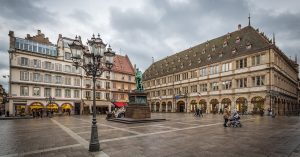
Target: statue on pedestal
<point>138,80</point>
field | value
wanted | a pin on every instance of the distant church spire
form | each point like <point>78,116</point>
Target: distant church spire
<point>249,18</point>
<point>273,38</point>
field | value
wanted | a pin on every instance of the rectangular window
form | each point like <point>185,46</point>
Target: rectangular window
<point>129,78</point>
<point>122,96</point>
<point>98,95</point>
<point>203,87</point>
<point>242,63</point>
<point>177,77</point>
<point>24,76</point>
<point>67,68</point>
<point>48,65</point>
<point>114,85</point>
<point>203,72</point>
<point>76,81</point>
<point>194,88</point>
<point>107,96</point>
<point>36,91</point>
<point>67,55</point>
<point>107,85</point>
<point>258,80</point>
<point>57,92</point>
<point>241,83</point>
<point>48,78</point>
<point>226,67</point>
<point>214,86</point>
<point>24,91</point>
<point>226,85</point>
<point>68,80</point>
<point>177,90</point>
<point>214,69</point>
<point>185,90</point>
<point>67,93</point>
<point>47,92</point>
<point>158,81</point>
<point>164,92</point>
<point>164,80</point>
<point>76,93</point>
<point>256,60</point>
<point>24,61</point>
<point>194,74</point>
<point>36,77</point>
<point>88,94</point>
<point>58,79</point>
<point>185,76</point>
<point>58,67</point>
<point>170,79</point>
<point>170,91</point>
<point>36,63</point>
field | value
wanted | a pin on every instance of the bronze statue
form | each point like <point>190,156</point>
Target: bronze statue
<point>138,80</point>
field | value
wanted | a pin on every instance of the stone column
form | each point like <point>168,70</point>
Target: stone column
<point>166,107</point>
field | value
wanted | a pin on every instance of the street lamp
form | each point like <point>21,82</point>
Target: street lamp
<point>50,100</point>
<point>94,59</point>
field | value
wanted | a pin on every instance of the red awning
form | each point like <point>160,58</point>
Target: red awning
<point>120,104</point>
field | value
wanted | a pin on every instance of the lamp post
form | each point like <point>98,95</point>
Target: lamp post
<point>50,100</point>
<point>94,60</point>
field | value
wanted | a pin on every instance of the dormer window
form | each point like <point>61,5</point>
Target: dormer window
<point>190,63</point>
<point>208,57</point>
<point>221,54</point>
<point>228,35</point>
<point>213,48</point>
<point>179,59</point>
<point>199,60</point>
<point>225,43</point>
<point>195,54</point>
<point>181,66</point>
<point>186,57</point>
<point>248,45</point>
<point>237,39</point>
<point>207,43</point>
<point>203,51</point>
<point>233,50</point>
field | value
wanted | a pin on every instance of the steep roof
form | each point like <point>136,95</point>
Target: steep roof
<point>238,43</point>
<point>122,64</point>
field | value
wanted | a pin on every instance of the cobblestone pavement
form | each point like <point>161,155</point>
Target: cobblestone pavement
<point>181,135</point>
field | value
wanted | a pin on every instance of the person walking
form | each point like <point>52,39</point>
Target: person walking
<point>200,112</point>
<point>226,115</point>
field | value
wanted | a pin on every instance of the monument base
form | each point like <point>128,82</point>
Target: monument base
<point>137,112</point>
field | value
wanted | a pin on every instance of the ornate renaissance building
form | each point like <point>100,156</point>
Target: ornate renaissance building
<point>40,69</point>
<point>243,69</point>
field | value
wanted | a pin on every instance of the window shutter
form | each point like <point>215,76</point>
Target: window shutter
<point>19,60</point>
<point>62,80</point>
<point>41,78</point>
<point>52,66</point>
<point>53,79</point>
<point>43,65</point>
<point>31,76</point>
<point>39,64</point>
<point>31,62</point>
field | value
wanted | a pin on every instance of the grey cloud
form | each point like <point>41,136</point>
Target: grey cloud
<point>25,11</point>
<point>81,16</point>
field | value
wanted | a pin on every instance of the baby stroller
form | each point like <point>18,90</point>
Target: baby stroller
<point>234,121</point>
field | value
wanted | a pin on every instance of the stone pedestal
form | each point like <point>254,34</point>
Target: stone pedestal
<point>137,112</point>
<point>137,107</point>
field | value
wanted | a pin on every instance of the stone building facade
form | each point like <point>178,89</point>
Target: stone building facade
<point>40,69</point>
<point>243,69</point>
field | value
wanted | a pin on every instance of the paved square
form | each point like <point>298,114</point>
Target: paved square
<point>181,135</point>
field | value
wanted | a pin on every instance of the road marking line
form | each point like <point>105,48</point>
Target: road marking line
<point>40,151</point>
<point>162,132</point>
<point>84,132</point>
<point>79,139</point>
<point>123,129</point>
<point>186,123</point>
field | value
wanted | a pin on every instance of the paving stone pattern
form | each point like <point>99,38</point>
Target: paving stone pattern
<point>181,135</point>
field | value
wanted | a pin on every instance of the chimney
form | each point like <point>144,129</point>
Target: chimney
<point>239,27</point>
<point>59,36</point>
<point>39,32</point>
<point>11,33</point>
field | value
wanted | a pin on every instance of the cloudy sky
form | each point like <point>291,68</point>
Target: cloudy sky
<point>143,29</point>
